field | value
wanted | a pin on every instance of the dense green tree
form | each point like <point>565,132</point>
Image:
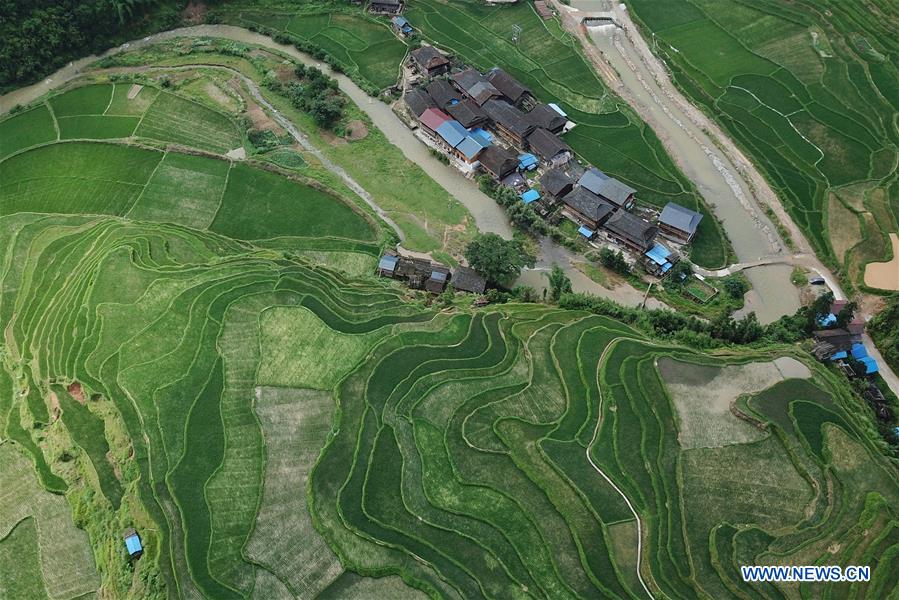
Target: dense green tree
<point>499,260</point>
<point>558,283</point>
<point>614,260</point>
<point>735,287</point>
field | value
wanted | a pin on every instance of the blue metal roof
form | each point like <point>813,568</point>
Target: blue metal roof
<point>527,161</point>
<point>658,254</point>
<point>481,137</point>
<point>530,196</point>
<point>666,267</point>
<point>586,232</point>
<point>858,351</point>
<point>132,543</point>
<point>471,145</point>
<point>827,320</point>
<point>839,355</point>
<point>870,365</point>
<point>452,132</point>
<point>483,133</point>
<point>400,21</point>
<point>438,276</point>
<point>388,263</point>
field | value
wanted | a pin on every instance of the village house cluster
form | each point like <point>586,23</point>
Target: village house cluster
<point>491,123</point>
<point>423,274</point>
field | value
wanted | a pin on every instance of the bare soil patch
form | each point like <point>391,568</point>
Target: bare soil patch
<point>885,275</point>
<point>55,409</point>
<point>703,396</point>
<point>333,139</point>
<point>219,96</point>
<point>356,130</point>
<point>76,392</point>
<point>134,90</point>
<point>257,115</point>
<point>195,12</point>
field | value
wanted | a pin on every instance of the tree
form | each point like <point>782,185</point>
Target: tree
<point>446,298</point>
<point>846,314</point>
<point>735,287</point>
<point>558,283</point>
<point>614,260</point>
<point>499,260</point>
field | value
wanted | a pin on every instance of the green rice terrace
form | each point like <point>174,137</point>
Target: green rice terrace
<point>809,90</point>
<point>195,346</point>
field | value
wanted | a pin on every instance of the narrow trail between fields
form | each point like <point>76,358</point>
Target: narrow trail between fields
<point>602,358</point>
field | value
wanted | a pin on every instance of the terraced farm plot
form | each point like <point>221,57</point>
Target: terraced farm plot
<point>608,134</point>
<point>190,187</point>
<point>812,109</point>
<point>185,122</point>
<point>281,207</point>
<point>26,129</point>
<point>64,561</point>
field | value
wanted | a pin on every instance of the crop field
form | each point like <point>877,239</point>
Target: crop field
<point>198,348</point>
<point>812,107</point>
<point>547,60</point>
<point>362,44</point>
<point>474,454</point>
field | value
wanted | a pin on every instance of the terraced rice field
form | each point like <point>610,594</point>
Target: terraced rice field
<point>809,90</point>
<point>548,61</point>
<point>276,428</point>
<point>363,45</point>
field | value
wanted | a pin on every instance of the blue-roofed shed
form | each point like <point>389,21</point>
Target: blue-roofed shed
<point>530,196</point>
<point>870,365</point>
<point>586,232</point>
<point>859,351</point>
<point>387,264</point>
<point>839,355</point>
<point>133,544</point>
<point>827,320</point>
<point>527,162</point>
<point>659,256</point>
<point>452,132</point>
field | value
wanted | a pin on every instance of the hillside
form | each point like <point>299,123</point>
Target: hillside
<point>195,345</point>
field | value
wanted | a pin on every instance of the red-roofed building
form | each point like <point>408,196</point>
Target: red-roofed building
<point>433,118</point>
<point>837,306</point>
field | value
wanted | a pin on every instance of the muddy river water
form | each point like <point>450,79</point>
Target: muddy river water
<point>720,183</point>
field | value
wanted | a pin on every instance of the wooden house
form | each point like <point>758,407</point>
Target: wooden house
<point>631,231</point>
<point>549,147</point>
<point>509,87</point>
<point>429,61</point>
<point>466,279</point>
<point>498,161</point>
<point>385,7</point>
<point>678,222</point>
<point>608,188</point>
<point>509,122</point>
<point>586,208</point>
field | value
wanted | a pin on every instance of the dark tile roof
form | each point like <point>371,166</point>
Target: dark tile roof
<point>468,113</point>
<point>442,93</point>
<point>546,117</point>
<point>390,2</point>
<point>498,161</point>
<point>679,217</point>
<point>632,228</point>
<point>503,113</point>
<point>418,101</point>
<point>428,57</point>
<point>588,204</point>
<point>475,85</point>
<point>608,187</point>
<point>546,144</point>
<point>555,181</point>
<point>466,279</point>
<point>510,87</point>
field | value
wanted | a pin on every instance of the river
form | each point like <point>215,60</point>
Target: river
<point>711,170</point>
